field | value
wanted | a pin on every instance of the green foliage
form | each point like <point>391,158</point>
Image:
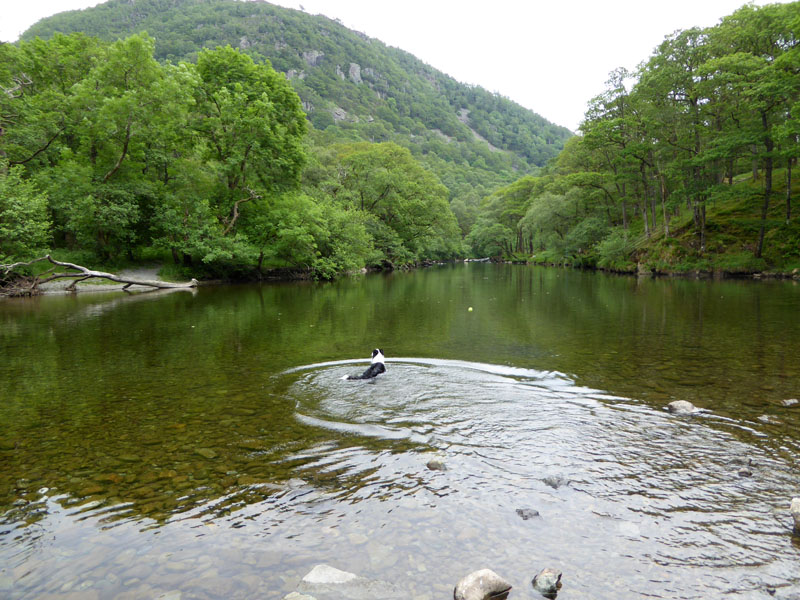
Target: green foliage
<point>353,88</point>
<point>665,153</point>
<point>615,249</point>
<point>403,206</point>
<point>205,163</point>
<point>24,223</point>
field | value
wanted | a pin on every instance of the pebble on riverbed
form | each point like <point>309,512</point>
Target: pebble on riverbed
<point>482,585</point>
<point>795,510</point>
<point>547,582</point>
<point>436,464</point>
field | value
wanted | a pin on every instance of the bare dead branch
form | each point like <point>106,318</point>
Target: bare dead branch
<point>27,287</point>
<point>235,211</point>
<point>15,92</point>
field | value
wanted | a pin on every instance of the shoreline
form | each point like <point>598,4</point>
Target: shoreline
<point>150,272</point>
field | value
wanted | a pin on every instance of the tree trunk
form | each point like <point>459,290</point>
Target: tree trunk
<point>789,189</point>
<point>768,145</point>
<point>624,209</point>
<point>663,187</point>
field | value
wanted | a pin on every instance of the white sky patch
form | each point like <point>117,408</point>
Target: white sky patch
<point>550,56</point>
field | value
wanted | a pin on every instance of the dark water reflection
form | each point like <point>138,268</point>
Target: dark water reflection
<point>204,445</point>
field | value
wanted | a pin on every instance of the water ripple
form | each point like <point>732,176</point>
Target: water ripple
<point>669,484</point>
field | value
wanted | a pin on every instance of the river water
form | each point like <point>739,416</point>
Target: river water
<point>203,444</point>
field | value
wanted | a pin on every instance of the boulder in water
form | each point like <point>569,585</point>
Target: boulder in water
<point>795,510</point>
<point>547,582</point>
<point>482,585</point>
<point>682,407</point>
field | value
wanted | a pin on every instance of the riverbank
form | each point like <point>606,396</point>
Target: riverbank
<point>646,270</point>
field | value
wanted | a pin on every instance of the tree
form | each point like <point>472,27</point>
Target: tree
<point>251,125</point>
<point>751,42</point>
<point>24,223</point>
<point>412,218</point>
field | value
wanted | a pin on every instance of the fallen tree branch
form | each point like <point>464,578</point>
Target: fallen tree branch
<point>80,273</point>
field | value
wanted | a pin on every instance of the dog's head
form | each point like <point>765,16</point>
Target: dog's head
<point>377,355</point>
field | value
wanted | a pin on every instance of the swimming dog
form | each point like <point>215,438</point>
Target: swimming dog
<point>376,368</point>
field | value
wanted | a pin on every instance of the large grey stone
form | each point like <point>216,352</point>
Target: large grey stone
<point>795,510</point>
<point>484,584</point>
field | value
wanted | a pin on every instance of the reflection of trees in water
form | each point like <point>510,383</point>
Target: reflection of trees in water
<point>174,406</point>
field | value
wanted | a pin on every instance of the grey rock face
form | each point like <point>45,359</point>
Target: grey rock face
<point>482,585</point>
<point>547,582</point>
<point>313,57</point>
<point>795,510</point>
<point>355,73</point>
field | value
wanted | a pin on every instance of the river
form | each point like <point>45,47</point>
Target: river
<point>202,444</point>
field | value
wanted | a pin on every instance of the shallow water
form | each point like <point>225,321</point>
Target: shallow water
<point>203,445</point>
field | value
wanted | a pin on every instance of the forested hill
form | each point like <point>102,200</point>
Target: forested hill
<point>351,86</point>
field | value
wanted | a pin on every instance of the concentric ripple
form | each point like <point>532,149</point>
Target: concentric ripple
<point>675,496</point>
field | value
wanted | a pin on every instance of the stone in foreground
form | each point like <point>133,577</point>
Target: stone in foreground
<point>795,510</point>
<point>547,582</point>
<point>482,585</point>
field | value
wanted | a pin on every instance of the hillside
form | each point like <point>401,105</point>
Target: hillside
<point>353,87</point>
<point>688,164</point>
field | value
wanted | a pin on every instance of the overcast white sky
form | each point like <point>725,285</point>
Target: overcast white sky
<point>551,56</point>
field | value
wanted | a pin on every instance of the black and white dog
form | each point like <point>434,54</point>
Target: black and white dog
<point>376,368</point>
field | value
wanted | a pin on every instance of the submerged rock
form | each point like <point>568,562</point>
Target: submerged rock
<point>482,585</point>
<point>795,510</point>
<point>555,481</point>
<point>205,452</point>
<point>325,574</point>
<point>527,513</point>
<point>547,582</point>
<point>769,420</point>
<point>326,583</point>
<point>436,464</point>
<point>682,407</point>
